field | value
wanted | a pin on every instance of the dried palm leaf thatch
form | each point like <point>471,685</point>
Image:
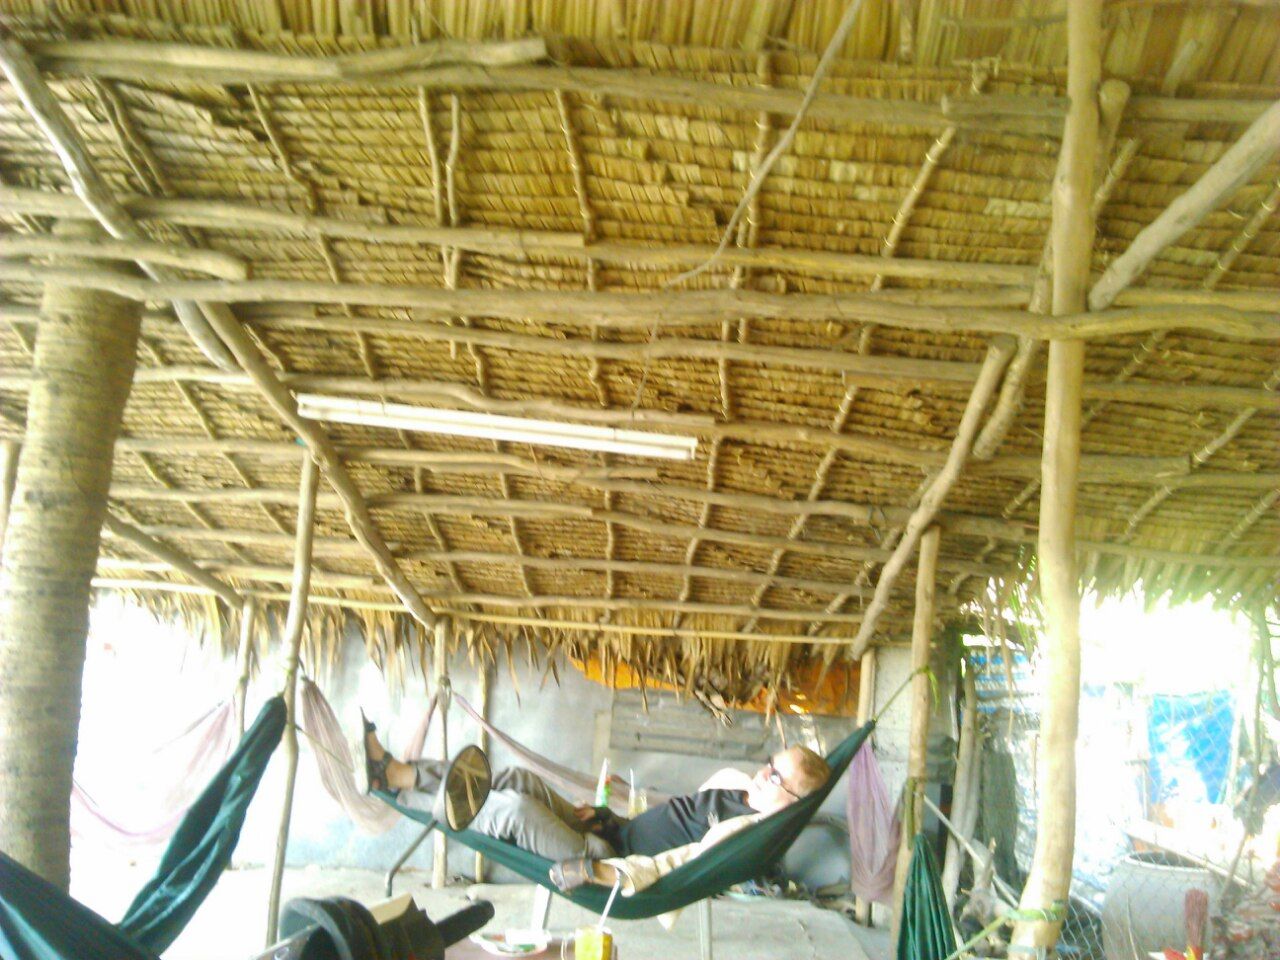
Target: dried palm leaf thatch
<point>375,171</point>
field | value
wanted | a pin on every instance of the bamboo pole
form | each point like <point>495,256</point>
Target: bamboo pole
<point>1048,884</point>
<point>291,642</point>
<point>440,676</point>
<point>1240,314</point>
<point>866,710</point>
<point>244,658</point>
<point>8,476</point>
<point>964,805</point>
<point>89,186</point>
<point>921,704</point>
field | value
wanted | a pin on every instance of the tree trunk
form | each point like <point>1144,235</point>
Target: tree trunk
<point>82,371</point>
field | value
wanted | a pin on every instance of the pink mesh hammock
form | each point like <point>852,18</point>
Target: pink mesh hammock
<point>874,830</point>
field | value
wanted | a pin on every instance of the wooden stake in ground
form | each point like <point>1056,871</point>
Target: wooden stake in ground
<point>291,642</point>
<point>921,706</point>
<point>866,710</point>
<point>482,738</point>
<point>1049,882</point>
<point>83,364</point>
<point>440,676</point>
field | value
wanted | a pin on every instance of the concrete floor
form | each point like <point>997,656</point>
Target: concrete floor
<point>232,923</point>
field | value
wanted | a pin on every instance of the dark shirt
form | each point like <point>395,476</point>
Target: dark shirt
<point>676,822</point>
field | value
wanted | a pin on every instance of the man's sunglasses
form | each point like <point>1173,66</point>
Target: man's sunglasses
<point>775,778</point>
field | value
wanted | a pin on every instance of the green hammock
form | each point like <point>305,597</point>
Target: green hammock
<point>736,859</point>
<point>40,922</point>
<point>925,932</point>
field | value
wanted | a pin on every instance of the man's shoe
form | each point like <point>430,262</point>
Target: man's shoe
<point>370,775</point>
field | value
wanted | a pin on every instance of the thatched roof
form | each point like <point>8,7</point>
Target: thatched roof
<point>607,166</point>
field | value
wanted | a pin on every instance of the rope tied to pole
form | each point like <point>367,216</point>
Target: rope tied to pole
<point>933,688</point>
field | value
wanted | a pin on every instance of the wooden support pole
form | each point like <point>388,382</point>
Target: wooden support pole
<point>441,635</point>
<point>866,710</point>
<point>482,737</point>
<point>245,654</point>
<point>9,450</point>
<point>921,707</point>
<point>83,363</point>
<point>291,642</point>
<point>1048,884</point>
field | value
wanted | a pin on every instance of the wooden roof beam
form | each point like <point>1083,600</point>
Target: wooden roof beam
<point>1239,314</point>
<point>136,584</point>
<point>1100,469</point>
<point>558,564</point>
<point>508,242</point>
<point>1230,172</point>
<point>172,559</point>
<point>157,62</point>
<point>247,571</point>
<point>465,505</point>
<point>93,191</point>
<point>40,101</point>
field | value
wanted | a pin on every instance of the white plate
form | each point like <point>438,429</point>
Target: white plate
<point>513,943</point>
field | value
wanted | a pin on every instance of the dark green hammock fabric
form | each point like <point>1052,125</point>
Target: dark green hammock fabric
<point>40,922</point>
<point>201,847</point>
<point>736,859</point>
<point>925,932</point>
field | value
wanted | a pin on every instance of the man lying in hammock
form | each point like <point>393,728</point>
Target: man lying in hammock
<point>592,844</point>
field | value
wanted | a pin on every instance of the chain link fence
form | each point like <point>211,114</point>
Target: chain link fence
<point>1173,789</point>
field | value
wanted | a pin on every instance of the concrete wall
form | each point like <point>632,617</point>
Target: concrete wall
<point>568,722</point>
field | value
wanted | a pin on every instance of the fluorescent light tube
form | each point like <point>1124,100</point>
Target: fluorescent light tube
<point>487,426</point>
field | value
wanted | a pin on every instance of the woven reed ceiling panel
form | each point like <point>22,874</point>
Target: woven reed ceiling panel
<point>609,165</point>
